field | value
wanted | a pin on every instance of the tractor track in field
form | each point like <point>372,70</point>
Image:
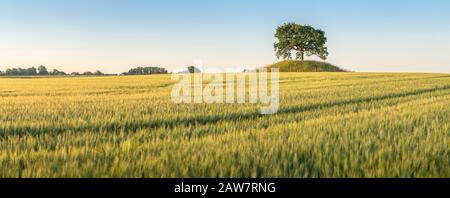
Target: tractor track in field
<point>371,82</point>
<point>203,120</point>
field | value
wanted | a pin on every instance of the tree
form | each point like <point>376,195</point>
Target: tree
<point>57,72</point>
<point>98,73</point>
<point>31,71</point>
<point>146,71</point>
<point>11,72</point>
<point>136,71</point>
<point>20,71</point>
<point>42,70</point>
<point>193,69</point>
<point>300,39</point>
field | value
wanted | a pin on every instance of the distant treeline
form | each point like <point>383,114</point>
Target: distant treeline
<point>157,70</point>
<point>146,71</point>
<point>42,70</point>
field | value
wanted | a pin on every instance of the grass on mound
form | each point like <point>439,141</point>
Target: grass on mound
<point>305,66</point>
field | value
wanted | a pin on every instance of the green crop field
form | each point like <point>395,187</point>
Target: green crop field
<point>328,125</point>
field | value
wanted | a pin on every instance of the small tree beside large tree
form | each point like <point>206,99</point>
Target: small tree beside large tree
<point>303,40</point>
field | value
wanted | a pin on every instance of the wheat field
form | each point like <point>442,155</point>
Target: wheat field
<point>328,125</point>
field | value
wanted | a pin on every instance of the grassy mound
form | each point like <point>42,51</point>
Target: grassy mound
<point>305,66</point>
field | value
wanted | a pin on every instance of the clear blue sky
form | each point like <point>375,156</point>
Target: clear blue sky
<point>114,35</point>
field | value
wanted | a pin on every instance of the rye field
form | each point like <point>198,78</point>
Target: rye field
<point>328,125</point>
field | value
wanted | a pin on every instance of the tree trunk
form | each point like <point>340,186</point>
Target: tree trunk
<point>302,54</point>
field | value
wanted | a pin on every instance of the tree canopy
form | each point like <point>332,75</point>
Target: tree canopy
<point>42,70</point>
<point>146,71</point>
<point>21,71</point>
<point>193,69</point>
<point>301,40</point>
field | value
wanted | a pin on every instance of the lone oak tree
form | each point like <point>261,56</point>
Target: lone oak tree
<point>301,39</point>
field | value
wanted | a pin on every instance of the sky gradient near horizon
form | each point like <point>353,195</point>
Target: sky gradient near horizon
<point>115,35</point>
